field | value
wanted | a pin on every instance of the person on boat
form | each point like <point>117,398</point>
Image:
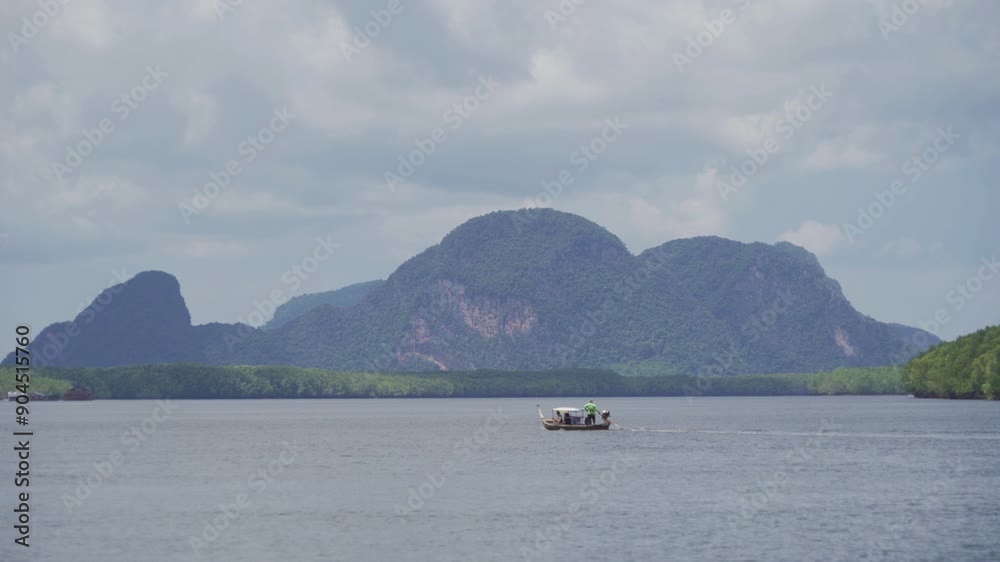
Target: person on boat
<point>567,420</point>
<point>591,412</point>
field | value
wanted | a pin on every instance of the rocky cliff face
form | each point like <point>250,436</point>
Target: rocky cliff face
<point>487,316</point>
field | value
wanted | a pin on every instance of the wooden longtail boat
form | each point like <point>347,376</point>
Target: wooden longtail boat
<point>78,393</point>
<point>575,417</point>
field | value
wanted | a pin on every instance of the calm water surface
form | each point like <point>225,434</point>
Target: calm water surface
<point>803,478</point>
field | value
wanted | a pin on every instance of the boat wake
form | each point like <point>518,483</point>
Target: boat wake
<point>945,436</point>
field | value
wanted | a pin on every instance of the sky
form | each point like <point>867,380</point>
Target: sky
<point>235,143</point>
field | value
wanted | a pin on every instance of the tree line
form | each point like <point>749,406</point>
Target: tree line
<point>195,381</point>
<point>968,367</point>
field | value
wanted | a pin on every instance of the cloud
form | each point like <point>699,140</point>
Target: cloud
<point>210,249</point>
<point>355,118</point>
<point>829,156</point>
<point>646,214</point>
<point>698,213</point>
<point>818,238</point>
<point>199,113</point>
<point>91,22</point>
<point>903,247</point>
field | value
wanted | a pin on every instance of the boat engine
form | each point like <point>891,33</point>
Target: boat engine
<point>605,415</point>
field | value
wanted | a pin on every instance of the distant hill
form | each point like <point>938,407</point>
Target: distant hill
<point>529,290</point>
<point>968,367</point>
<point>297,306</point>
<point>143,320</point>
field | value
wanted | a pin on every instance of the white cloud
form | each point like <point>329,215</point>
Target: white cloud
<point>648,214</point>
<point>209,249</point>
<point>200,111</point>
<point>818,238</point>
<point>92,22</point>
<point>354,120</point>
<point>903,247</point>
<point>830,156</point>
<point>322,46</point>
<point>553,77</point>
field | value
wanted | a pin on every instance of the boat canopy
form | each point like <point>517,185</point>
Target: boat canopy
<point>564,410</point>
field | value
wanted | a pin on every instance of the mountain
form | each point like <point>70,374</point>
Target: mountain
<point>297,306</point>
<point>539,289</point>
<point>545,289</point>
<point>780,310</point>
<point>968,367</point>
<point>143,320</point>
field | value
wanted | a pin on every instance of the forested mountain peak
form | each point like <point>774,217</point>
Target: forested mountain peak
<point>532,289</point>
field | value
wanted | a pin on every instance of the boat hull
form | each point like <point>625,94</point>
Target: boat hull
<point>555,426</point>
<point>77,393</point>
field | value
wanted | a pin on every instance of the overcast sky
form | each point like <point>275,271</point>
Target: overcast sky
<point>838,103</point>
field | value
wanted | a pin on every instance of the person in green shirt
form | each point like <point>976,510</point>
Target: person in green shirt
<point>591,412</point>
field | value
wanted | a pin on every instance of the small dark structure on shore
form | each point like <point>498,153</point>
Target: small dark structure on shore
<point>78,393</point>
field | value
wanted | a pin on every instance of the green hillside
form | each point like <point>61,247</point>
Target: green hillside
<point>550,290</point>
<point>968,367</point>
<point>297,306</point>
